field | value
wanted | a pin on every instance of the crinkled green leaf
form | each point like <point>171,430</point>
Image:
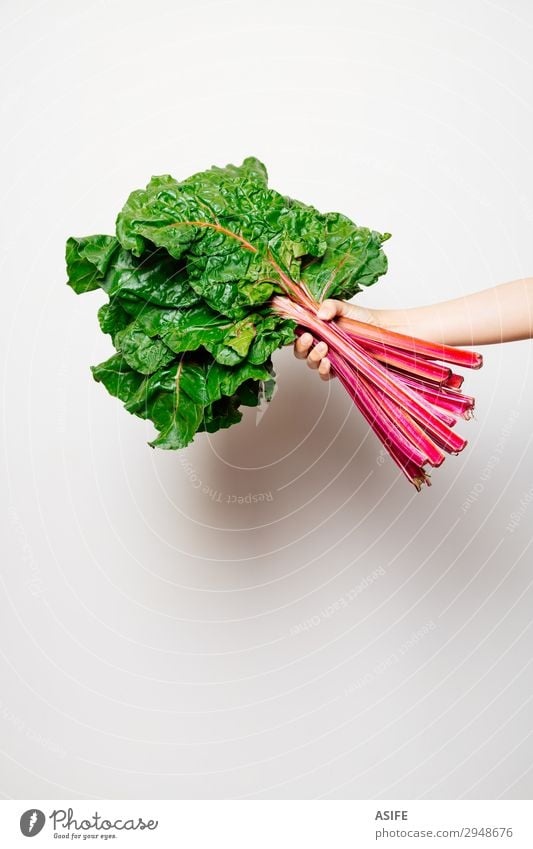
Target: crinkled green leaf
<point>178,414</point>
<point>353,259</point>
<point>225,380</point>
<point>235,343</point>
<point>112,317</point>
<point>225,222</point>
<point>187,330</point>
<point>198,401</point>
<point>156,278</point>
<point>272,333</point>
<point>185,396</point>
<point>221,414</point>
<point>140,351</point>
<point>118,377</point>
<point>249,393</point>
<point>88,260</point>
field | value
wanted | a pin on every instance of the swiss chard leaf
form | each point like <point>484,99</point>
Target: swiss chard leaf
<point>112,317</point>
<point>272,333</point>
<point>156,278</point>
<point>184,396</point>
<point>88,260</point>
<point>224,380</point>
<point>141,352</point>
<point>353,259</point>
<point>178,414</point>
<point>190,276</point>
<point>225,222</point>
<point>221,414</point>
<point>118,377</point>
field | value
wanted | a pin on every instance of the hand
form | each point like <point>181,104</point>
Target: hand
<point>317,356</point>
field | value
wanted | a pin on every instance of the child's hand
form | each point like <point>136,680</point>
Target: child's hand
<point>317,356</point>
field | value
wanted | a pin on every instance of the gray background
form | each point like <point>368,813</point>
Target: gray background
<point>151,639</point>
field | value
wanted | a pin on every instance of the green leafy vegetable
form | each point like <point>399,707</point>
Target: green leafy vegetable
<point>190,275</point>
<point>207,277</point>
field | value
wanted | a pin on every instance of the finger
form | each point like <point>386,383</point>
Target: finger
<point>302,345</point>
<point>330,308</point>
<point>324,369</point>
<point>314,357</point>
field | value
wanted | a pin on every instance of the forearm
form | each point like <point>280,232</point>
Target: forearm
<point>501,314</point>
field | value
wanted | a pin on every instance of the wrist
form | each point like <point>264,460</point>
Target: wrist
<point>365,314</point>
<point>419,322</point>
<point>392,320</point>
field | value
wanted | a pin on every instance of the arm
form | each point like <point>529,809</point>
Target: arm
<point>503,313</point>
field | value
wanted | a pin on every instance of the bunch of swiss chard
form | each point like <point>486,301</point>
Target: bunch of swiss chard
<point>207,277</point>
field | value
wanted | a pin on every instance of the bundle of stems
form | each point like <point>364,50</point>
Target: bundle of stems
<point>399,383</point>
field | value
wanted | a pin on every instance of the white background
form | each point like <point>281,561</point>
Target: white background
<point>149,634</point>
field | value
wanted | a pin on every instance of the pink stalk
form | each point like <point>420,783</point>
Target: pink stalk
<point>414,474</point>
<point>427,415</point>
<point>404,458</point>
<point>455,381</point>
<point>448,415</point>
<point>406,362</point>
<point>378,374</point>
<point>434,454</point>
<point>455,356</point>
<point>460,405</point>
<point>412,470</point>
<point>356,388</point>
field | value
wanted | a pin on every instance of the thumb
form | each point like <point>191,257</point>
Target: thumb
<point>330,308</point>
